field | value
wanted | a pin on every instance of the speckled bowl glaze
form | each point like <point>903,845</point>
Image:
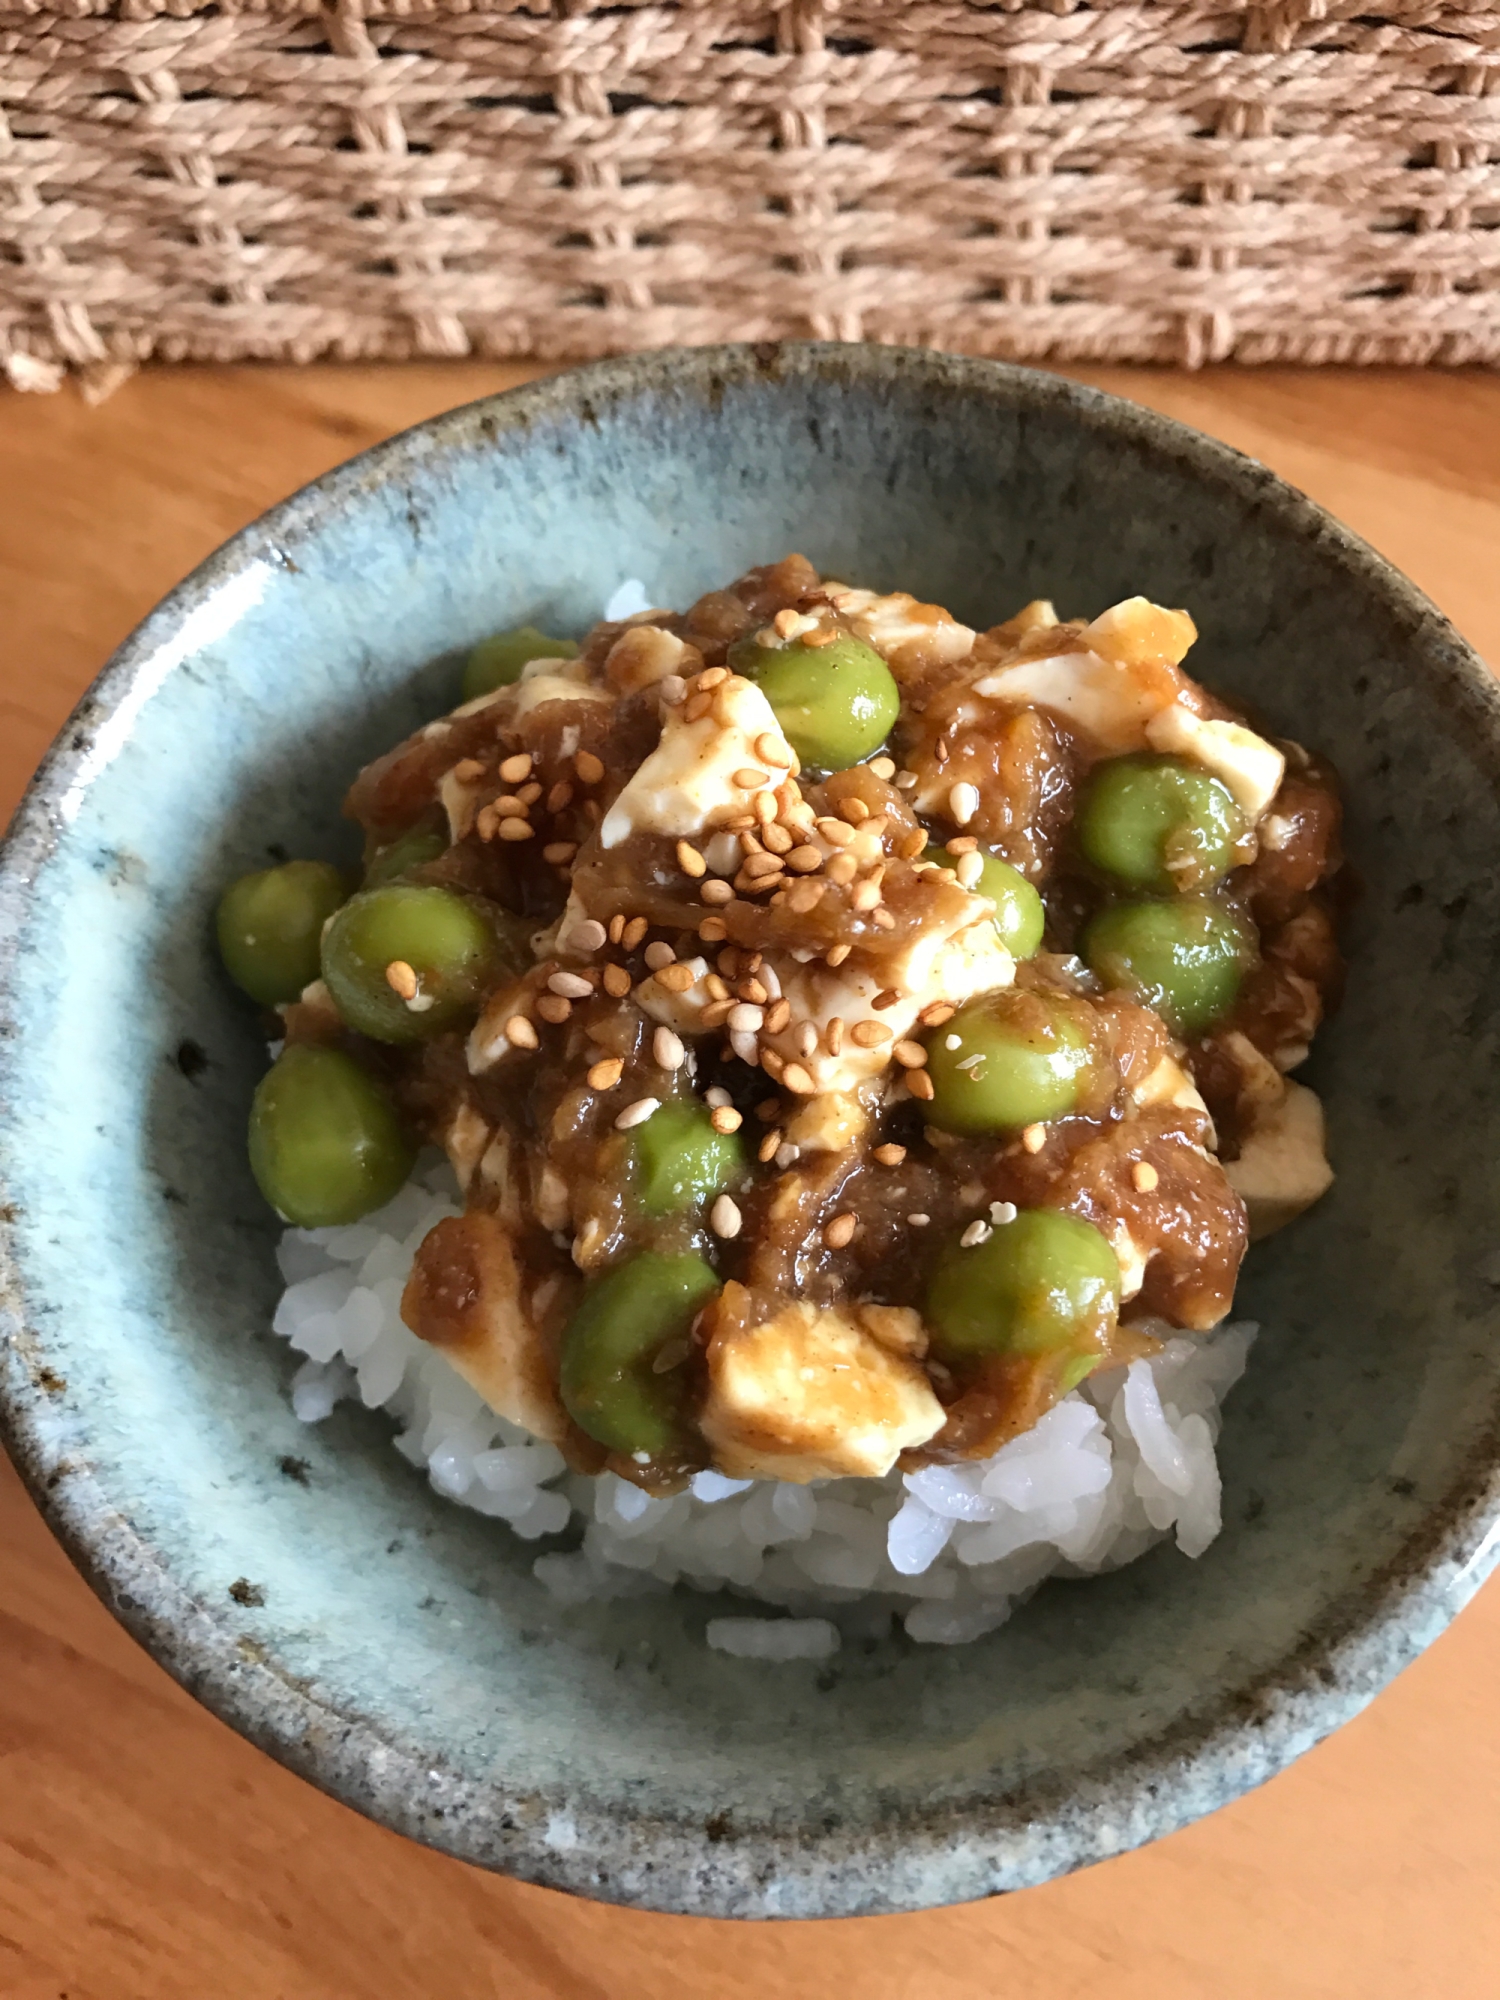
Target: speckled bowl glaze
<point>309,1588</point>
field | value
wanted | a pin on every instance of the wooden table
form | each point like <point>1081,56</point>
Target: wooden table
<point>148,1854</point>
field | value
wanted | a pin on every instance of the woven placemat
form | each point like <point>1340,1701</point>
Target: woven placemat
<point>1308,180</point>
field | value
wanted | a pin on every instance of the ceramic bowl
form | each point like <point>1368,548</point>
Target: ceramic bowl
<point>394,1649</point>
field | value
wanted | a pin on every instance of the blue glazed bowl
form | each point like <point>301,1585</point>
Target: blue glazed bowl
<point>394,1649</point>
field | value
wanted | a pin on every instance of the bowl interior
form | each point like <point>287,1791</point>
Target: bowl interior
<point>400,1652</point>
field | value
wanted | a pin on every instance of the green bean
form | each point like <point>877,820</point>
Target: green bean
<point>269,924</point>
<point>1159,823</point>
<point>1185,957</point>
<point>1005,1061</point>
<point>1019,916</point>
<point>680,1160</point>
<point>1038,1285</point>
<point>326,1147</point>
<point>405,963</point>
<point>836,703</point>
<point>497,661</point>
<point>608,1383</point>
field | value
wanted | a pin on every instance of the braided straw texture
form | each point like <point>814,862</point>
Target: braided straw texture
<point>1304,180</point>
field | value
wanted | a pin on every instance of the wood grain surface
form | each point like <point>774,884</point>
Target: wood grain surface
<point>147,1854</point>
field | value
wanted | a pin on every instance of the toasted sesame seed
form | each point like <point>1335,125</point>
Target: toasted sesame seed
<point>716,1013</point>
<point>606,1074</point>
<point>777,839</point>
<point>658,953</point>
<point>963,802</point>
<point>508,804</point>
<point>804,896</point>
<point>515,829</point>
<point>633,932</point>
<point>637,1113</point>
<point>616,981</point>
<point>882,920</point>
<point>712,930</point>
<point>961,843</point>
<point>836,954</point>
<point>771,750</point>
<point>869,1034</point>
<point>919,1221</point>
<point>842,868</point>
<point>833,1035</point>
<point>689,860</point>
<point>554,1008</point>
<point>724,1118</point>
<point>976,1233</point>
<point>887,997</point>
<point>840,1231</point>
<point>589,768</point>
<point>970,868</point>
<point>748,780</point>
<point>696,707</point>
<point>401,979</point>
<point>571,985</point>
<point>806,1038</point>
<point>762,864</point>
<point>769,1145</point>
<point>765,809</point>
<point>724,1217</point>
<point>866,897</point>
<point>772,1063</point>
<point>940,750</point>
<point>1034,1137</point>
<point>520,1033</point>
<point>667,1049</point>
<point>890,1156</point>
<point>745,1019</point>
<point>671,1354</point>
<point>910,1055</point>
<point>1002,1212</point>
<point>883,767</point>
<point>516,770</point>
<point>753,991</point>
<point>920,1084</point>
<point>616,928</point>
<point>711,677</point>
<point>467,769</point>
<point>778,1014</point>
<point>716,892</point>
<point>786,621</point>
<point>676,978</point>
<point>750,841</point>
<point>910,845</point>
<point>936,1012</point>
<point>529,794</point>
<point>1145,1177</point>
<point>855,811</point>
<point>837,832</point>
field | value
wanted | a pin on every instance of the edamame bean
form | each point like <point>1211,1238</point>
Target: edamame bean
<point>1039,1285</point>
<point>269,924</point>
<point>836,703</point>
<point>1019,916</point>
<point>1006,1061</point>
<point>326,1147</point>
<point>403,963</point>
<point>1159,823</point>
<point>680,1160</point>
<point>398,857</point>
<point>497,661</point>
<point>625,1318</point>
<point>1185,957</point>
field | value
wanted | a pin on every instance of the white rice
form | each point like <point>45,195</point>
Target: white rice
<point>951,1551</point>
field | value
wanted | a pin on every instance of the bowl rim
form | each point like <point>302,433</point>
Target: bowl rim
<point>1203,1758</point>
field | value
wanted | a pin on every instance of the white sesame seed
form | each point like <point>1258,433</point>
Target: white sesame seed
<point>973,1061</point>
<point>571,985</point>
<point>668,1050</point>
<point>919,1221</point>
<point>963,803</point>
<point>806,1038</point>
<point>658,954</point>
<point>717,1098</point>
<point>745,1019</point>
<point>590,935</point>
<point>420,1002</point>
<point>672,688</point>
<point>976,1233</point>
<point>724,1217</point>
<point>768,978</point>
<point>953,1041</point>
<point>1274,832</point>
<point>787,1155</point>
<point>970,868</point>
<point>637,1113</point>
<point>745,1046</point>
<point>1002,1212</point>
